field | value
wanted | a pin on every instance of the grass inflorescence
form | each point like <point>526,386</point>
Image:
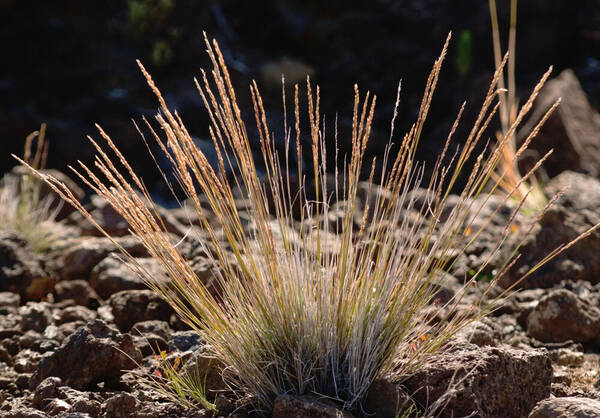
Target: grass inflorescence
<point>23,208</point>
<point>328,285</point>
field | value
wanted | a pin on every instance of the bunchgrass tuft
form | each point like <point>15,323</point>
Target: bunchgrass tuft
<point>329,284</point>
<point>23,209</point>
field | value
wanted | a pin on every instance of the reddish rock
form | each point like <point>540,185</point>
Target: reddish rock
<point>488,381</point>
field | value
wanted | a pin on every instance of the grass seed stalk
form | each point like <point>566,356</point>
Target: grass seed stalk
<point>310,302</point>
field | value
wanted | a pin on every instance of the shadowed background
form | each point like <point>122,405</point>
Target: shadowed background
<point>72,63</point>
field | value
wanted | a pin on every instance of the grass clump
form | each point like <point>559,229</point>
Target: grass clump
<point>310,301</point>
<point>513,180</point>
<point>185,389</point>
<point>23,209</point>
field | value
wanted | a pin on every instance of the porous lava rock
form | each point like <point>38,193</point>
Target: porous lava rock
<point>94,353</point>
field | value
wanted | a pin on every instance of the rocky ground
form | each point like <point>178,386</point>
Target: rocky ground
<point>77,327</point>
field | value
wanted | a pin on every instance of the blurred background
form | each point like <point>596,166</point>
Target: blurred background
<point>72,63</point>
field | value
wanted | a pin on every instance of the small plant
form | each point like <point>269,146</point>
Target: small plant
<point>508,174</point>
<point>310,301</point>
<point>22,208</point>
<point>187,390</point>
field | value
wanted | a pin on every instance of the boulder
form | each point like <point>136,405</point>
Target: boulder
<point>94,353</point>
<point>572,131</point>
<point>485,381</point>
<point>561,315</point>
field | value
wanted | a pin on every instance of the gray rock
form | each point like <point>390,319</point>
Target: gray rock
<point>567,407</point>
<point>561,316</point>
<point>94,353</point>
<point>132,306</point>
<point>185,341</point>
<point>486,381</point>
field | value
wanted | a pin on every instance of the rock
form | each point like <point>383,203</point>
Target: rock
<point>21,271</point>
<point>24,413</point>
<point>114,224</point>
<point>5,356</point>
<point>132,306</point>
<point>485,381</point>
<point>78,260</point>
<point>35,316</point>
<point>78,290</point>
<point>481,333</point>
<point>294,406</point>
<point>111,275</point>
<point>151,336</point>
<point>74,314</point>
<point>203,366</point>
<point>122,405</point>
<point>87,406</point>
<point>566,408</point>
<point>185,341</point>
<point>386,399</point>
<point>27,361</point>
<point>94,353</point>
<point>566,357</point>
<point>47,389</point>
<point>573,214</point>
<point>204,269</point>
<point>573,130</point>
<point>562,315</point>
<point>9,299</point>
<point>56,406</point>
<point>159,328</point>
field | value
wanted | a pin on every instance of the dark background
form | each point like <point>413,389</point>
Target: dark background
<point>72,63</point>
